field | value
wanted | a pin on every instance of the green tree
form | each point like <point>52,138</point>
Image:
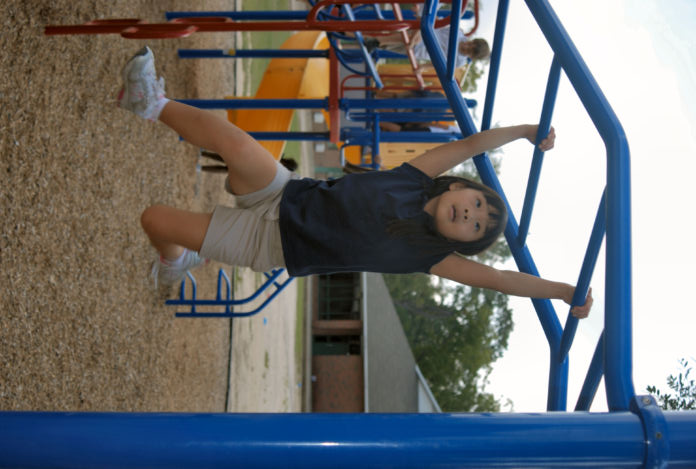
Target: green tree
<point>684,388</point>
<point>473,75</point>
<point>456,332</point>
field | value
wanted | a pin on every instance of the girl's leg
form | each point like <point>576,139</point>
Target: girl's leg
<point>171,230</point>
<point>250,166</point>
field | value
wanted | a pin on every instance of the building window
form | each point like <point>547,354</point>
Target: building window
<point>339,296</point>
<point>336,345</point>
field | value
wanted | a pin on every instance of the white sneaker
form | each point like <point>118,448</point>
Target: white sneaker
<point>142,92</point>
<point>165,274</point>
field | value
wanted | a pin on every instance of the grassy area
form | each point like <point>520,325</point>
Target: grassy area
<point>262,40</point>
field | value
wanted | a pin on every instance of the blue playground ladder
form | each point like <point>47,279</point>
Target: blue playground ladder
<point>224,297</point>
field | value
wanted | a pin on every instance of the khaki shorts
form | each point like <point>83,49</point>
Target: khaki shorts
<point>248,235</point>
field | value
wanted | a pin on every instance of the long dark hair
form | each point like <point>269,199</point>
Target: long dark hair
<point>427,238</point>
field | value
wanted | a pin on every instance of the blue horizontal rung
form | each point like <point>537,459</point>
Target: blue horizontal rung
<point>586,271</point>
<point>257,103</point>
<point>538,157</point>
<point>593,377</point>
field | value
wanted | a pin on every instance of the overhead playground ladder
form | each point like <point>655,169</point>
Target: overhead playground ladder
<point>634,433</point>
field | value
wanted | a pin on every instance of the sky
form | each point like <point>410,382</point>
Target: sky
<point>641,53</point>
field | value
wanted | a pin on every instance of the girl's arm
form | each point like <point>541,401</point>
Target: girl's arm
<point>445,157</point>
<point>472,273</point>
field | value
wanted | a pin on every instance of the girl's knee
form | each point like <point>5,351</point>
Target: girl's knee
<point>152,217</point>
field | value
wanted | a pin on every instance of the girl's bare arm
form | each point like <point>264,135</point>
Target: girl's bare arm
<point>469,272</point>
<point>445,157</point>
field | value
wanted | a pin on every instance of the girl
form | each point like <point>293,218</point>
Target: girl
<point>399,221</point>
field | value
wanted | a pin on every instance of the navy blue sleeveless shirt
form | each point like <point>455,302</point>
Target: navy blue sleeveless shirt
<point>340,225</point>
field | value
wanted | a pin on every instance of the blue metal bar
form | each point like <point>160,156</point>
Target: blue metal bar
<point>195,301</point>
<point>355,56</point>
<point>394,103</point>
<point>494,68</point>
<point>257,103</point>
<point>538,156</point>
<point>593,377</point>
<point>115,440</point>
<point>228,314</point>
<point>182,288</point>
<point>453,50</point>
<point>583,284</point>
<point>348,56</point>
<point>251,53</point>
<point>401,116</point>
<point>365,137</point>
<point>295,136</point>
<point>618,359</point>
<point>228,289</point>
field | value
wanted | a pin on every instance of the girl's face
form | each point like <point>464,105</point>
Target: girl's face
<point>461,213</point>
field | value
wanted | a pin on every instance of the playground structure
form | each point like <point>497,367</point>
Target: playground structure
<point>635,433</point>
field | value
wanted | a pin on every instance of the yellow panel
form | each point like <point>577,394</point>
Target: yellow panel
<point>283,79</point>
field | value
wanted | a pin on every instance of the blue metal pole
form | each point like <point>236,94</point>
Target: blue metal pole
<point>494,69</point>
<point>113,440</point>
<point>295,136</point>
<point>251,53</point>
<point>453,49</point>
<point>257,103</point>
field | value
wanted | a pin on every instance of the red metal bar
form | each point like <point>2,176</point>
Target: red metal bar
<point>216,24</point>
<point>159,31</point>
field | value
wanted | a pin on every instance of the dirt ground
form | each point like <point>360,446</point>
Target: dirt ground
<point>80,326</point>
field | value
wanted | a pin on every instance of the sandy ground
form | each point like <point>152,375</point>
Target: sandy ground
<point>80,326</point>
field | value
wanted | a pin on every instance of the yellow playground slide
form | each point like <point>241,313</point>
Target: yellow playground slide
<point>286,79</point>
